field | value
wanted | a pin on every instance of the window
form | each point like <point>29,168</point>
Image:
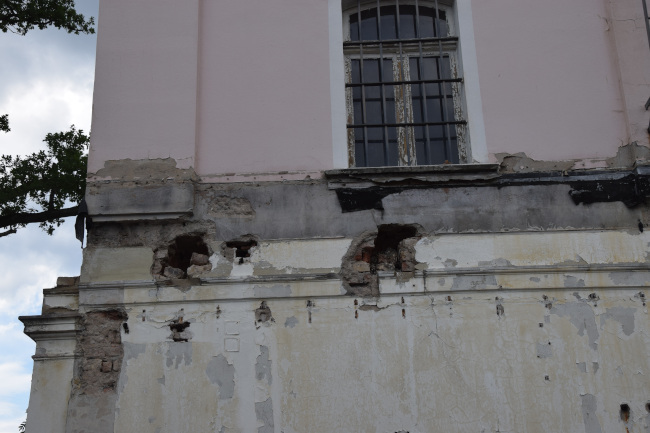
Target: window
<point>402,84</point>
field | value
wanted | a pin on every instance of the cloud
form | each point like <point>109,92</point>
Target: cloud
<point>10,417</point>
<point>14,379</point>
<point>46,86</point>
<point>34,260</point>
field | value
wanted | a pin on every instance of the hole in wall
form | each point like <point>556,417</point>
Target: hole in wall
<point>386,254</point>
<point>181,249</point>
<point>178,328</point>
<point>263,314</point>
<point>390,249</point>
<point>625,412</point>
<point>242,248</point>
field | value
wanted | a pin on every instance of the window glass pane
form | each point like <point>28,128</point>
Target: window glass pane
<point>354,72</point>
<point>453,157</point>
<point>373,105</point>
<point>376,155</point>
<point>371,70</point>
<point>354,27</point>
<point>406,22</point>
<point>359,153</point>
<point>393,154</point>
<point>369,24</point>
<point>421,152</point>
<point>450,114</point>
<point>443,28</point>
<point>434,107</point>
<point>445,67</point>
<point>418,109</point>
<point>388,70</point>
<point>430,68</point>
<point>439,144</point>
<point>425,25</point>
<point>414,68</point>
<point>389,103</point>
<point>388,22</point>
<point>358,113</point>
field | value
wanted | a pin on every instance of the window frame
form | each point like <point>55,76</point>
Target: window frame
<point>418,49</point>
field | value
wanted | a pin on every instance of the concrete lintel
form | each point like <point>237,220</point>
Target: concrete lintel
<point>117,202</point>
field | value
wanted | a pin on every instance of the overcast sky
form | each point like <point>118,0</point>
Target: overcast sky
<point>46,84</point>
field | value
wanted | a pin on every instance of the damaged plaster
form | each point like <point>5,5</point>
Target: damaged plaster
<point>626,156</point>
<point>582,316</point>
<point>94,390</point>
<point>263,366</point>
<point>623,315</point>
<point>221,373</point>
<point>589,408</point>
<point>264,412</point>
<point>178,354</point>
<point>390,249</point>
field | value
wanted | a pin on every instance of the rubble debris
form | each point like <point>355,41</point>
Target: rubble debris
<point>186,256</point>
<point>390,249</point>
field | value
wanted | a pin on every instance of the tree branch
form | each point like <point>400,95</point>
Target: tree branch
<point>37,217</point>
<point>7,233</point>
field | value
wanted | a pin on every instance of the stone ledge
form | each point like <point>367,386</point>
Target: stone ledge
<point>51,327</point>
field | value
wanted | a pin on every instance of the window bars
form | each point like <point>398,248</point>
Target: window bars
<point>402,85</point>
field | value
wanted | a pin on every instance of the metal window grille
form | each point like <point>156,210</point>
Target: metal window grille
<point>402,86</point>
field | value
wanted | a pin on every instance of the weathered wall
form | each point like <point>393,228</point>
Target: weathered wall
<point>449,299</point>
<point>524,331</point>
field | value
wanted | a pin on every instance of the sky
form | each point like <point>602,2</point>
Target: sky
<point>46,85</point>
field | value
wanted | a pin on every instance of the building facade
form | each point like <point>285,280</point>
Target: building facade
<point>359,216</point>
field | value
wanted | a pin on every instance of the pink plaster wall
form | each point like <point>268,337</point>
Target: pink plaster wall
<point>243,86</point>
<point>548,77</point>
<point>633,54</point>
<point>264,89</point>
<point>145,81</point>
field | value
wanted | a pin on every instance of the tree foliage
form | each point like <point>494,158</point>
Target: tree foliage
<point>21,16</point>
<point>36,188</point>
<point>4,122</point>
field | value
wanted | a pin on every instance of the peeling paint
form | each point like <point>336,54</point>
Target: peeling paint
<point>544,350</point>
<point>178,353</point>
<point>623,315</point>
<point>589,407</point>
<point>264,413</point>
<point>582,316</point>
<point>290,322</point>
<point>263,366</point>
<point>629,279</point>
<point>221,373</point>
<point>571,281</point>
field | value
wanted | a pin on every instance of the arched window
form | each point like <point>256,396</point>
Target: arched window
<point>402,84</point>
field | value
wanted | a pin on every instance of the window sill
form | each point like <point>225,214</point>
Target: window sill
<point>405,176</point>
